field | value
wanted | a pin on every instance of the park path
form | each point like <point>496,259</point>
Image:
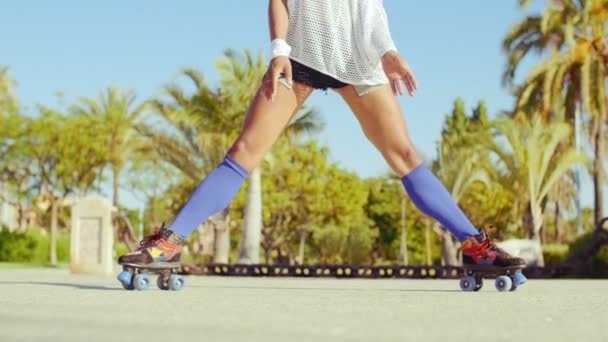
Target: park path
<point>54,305</point>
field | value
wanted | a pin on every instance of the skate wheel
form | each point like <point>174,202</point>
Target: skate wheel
<point>503,283</point>
<point>518,279</point>
<point>125,279</point>
<point>467,283</point>
<point>176,282</point>
<point>478,284</point>
<point>142,282</point>
<point>162,282</point>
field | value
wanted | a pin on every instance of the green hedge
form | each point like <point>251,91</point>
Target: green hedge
<point>120,249</point>
<point>555,254</point>
<point>16,247</point>
<point>598,267</point>
<point>32,246</point>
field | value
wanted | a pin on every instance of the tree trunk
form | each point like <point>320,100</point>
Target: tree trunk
<point>598,180</point>
<point>125,231</point>
<point>528,222</point>
<point>559,229</point>
<point>403,246</point>
<point>449,252</point>
<point>537,224</point>
<point>221,236</point>
<point>252,226</point>
<point>53,234</point>
<point>266,255</point>
<point>302,247</point>
<point>427,240</point>
<point>22,216</point>
<point>115,187</point>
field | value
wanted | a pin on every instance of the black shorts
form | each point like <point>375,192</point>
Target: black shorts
<point>312,78</point>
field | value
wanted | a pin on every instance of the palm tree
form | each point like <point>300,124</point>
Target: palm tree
<point>117,115</point>
<point>532,163</point>
<point>458,171</point>
<point>572,77</point>
<point>7,90</point>
<point>241,77</point>
<point>462,160</point>
<point>199,129</point>
<point>562,196</point>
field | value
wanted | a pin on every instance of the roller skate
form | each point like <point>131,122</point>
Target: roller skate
<point>159,253</point>
<point>481,257</point>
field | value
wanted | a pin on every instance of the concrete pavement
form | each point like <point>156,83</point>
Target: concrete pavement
<point>54,305</point>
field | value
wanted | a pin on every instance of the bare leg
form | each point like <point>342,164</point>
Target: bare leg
<point>383,123</point>
<point>380,117</point>
<point>264,123</point>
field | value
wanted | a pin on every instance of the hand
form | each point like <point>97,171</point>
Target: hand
<point>397,70</point>
<point>279,65</point>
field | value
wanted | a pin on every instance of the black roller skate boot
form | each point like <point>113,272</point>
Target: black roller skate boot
<point>159,253</point>
<point>481,257</point>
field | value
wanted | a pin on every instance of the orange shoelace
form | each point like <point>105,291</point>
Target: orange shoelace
<point>153,239</point>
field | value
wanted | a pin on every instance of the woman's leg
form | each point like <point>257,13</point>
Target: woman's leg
<point>383,123</point>
<point>264,122</point>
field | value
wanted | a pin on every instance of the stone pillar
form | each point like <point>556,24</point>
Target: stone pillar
<point>8,212</point>
<point>92,237</point>
<point>529,250</point>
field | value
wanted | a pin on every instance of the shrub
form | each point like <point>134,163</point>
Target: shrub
<point>120,248</point>
<point>33,246</point>
<point>598,267</point>
<point>555,254</point>
<point>16,246</point>
<point>41,253</point>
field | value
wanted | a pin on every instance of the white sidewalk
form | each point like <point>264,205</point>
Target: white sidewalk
<point>53,305</point>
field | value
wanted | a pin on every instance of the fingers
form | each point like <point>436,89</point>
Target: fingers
<point>409,86</point>
<point>410,82</point>
<point>396,86</point>
<point>287,73</point>
<point>270,84</point>
<point>273,86</point>
<point>393,87</point>
<point>413,79</point>
<point>276,69</point>
<point>399,86</point>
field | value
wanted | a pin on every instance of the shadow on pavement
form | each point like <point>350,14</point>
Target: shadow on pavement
<point>77,286</point>
<point>319,289</point>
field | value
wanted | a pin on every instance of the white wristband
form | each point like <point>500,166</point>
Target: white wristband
<point>279,47</point>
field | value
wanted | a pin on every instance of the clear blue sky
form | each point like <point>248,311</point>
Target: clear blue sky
<point>79,47</point>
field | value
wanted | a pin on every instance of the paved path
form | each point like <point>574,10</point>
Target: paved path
<point>53,305</point>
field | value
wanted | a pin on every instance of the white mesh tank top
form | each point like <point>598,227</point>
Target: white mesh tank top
<point>344,39</point>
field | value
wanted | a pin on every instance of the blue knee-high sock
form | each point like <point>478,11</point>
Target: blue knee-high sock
<point>213,194</point>
<point>432,198</point>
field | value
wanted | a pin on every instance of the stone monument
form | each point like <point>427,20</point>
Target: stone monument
<point>529,250</point>
<point>92,239</point>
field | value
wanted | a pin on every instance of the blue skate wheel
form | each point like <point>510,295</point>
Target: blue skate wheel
<point>518,279</point>
<point>467,283</point>
<point>142,282</point>
<point>176,282</point>
<point>125,279</point>
<point>503,283</point>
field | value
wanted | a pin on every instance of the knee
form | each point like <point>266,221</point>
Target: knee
<point>245,154</point>
<point>403,158</point>
<point>408,154</point>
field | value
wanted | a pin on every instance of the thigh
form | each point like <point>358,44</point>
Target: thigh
<point>264,122</point>
<point>382,121</point>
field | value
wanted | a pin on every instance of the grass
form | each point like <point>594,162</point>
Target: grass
<point>5,266</point>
